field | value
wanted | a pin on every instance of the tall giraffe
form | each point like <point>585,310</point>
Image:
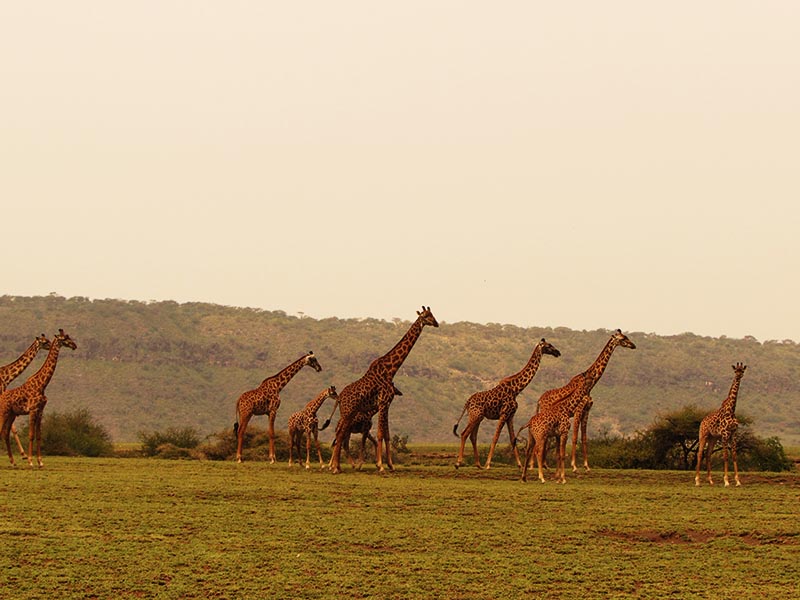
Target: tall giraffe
<point>374,391</point>
<point>305,421</point>
<point>721,425</point>
<point>10,371</point>
<point>265,399</point>
<point>582,385</point>
<point>499,403</point>
<point>29,398</point>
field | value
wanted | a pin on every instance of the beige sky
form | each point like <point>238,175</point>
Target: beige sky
<point>588,165</point>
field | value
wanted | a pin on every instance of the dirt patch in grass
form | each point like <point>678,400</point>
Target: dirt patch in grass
<point>693,536</point>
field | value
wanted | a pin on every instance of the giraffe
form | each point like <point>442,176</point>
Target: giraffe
<point>305,421</point>
<point>552,421</point>
<point>500,403</point>
<point>10,371</point>
<point>581,385</point>
<point>374,391</point>
<point>265,399</point>
<point>29,398</point>
<point>721,425</point>
<point>362,423</point>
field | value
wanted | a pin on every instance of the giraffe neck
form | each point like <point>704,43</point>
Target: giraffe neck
<point>317,402</point>
<point>11,370</point>
<point>521,380</point>
<point>595,372</point>
<point>729,404</point>
<point>42,377</point>
<point>283,377</point>
<point>391,362</point>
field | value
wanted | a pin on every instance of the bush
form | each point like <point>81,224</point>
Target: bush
<point>72,434</point>
<point>158,442</point>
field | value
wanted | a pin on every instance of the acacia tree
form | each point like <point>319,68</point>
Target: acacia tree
<point>673,438</point>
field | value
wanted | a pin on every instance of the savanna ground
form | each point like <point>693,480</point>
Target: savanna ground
<point>131,528</point>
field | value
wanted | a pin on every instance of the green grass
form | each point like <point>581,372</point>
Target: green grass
<point>130,528</point>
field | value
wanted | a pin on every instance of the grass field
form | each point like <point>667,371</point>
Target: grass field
<point>147,528</point>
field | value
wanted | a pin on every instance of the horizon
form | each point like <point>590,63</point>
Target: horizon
<point>622,164</point>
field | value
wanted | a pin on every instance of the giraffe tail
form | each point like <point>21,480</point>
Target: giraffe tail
<point>455,427</point>
<point>333,412</point>
<point>516,437</point>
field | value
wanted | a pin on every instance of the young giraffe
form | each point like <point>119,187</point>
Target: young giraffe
<point>553,421</point>
<point>499,403</point>
<point>374,391</point>
<point>10,371</point>
<point>581,385</point>
<point>362,423</point>
<point>721,425</point>
<point>305,421</point>
<point>264,400</point>
<point>29,398</point>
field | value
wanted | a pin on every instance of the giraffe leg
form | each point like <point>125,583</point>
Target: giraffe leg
<point>19,443</point>
<point>245,419</point>
<point>36,432</point>
<point>735,466</point>
<point>467,433</point>
<point>319,450</point>
<point>291,446</point>
<point>383,438</point>
<point>497,431</point>
<point>575,431</point>
<point>5,432</point>
<point>308,450</point>
<point>709,451</point>
<point>725,444</point>
<point>272,416</point>
<point>584,436</point>
<point>342,435</point>
<point>512,439</point>
<point>562,458</point>
<point>473,438</point>
<point>700,446</point>
<point>540,449</point>
<point>528,456</point>
<point>544,452</point>
<point>342,438</point>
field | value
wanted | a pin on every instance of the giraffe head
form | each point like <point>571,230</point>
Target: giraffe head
<point>42,342</point>
<point>426,317</point>
<point>738,370</point>
<point>63,339</point>
<point>548,348</point>
<point>620,339</point>
<point>311,361</point>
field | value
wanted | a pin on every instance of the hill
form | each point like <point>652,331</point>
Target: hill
<point>144,366</point>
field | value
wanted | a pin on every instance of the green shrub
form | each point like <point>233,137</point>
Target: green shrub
<point>186,438</point>
<point>73,433</point>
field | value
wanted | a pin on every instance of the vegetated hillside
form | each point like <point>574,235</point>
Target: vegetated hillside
<point>148,366</point>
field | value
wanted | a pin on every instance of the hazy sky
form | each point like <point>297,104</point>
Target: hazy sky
<point>584,164</point>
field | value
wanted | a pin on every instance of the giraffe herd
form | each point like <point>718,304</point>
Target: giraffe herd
<point>558,410</point>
